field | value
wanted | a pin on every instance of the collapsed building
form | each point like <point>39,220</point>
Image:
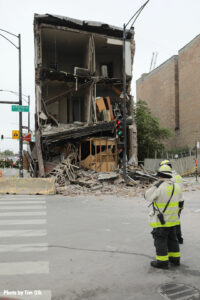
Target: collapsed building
<point>78,87</point>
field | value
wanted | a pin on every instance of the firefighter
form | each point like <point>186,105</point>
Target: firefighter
<point>178,179</point>
<point>165,196</point>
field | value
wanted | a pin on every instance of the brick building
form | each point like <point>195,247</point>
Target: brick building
<point>172,91</point>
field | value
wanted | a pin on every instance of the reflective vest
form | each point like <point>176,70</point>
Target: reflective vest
<point>161,194</point>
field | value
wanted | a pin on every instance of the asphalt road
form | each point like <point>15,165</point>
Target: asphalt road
<point>89,247</point>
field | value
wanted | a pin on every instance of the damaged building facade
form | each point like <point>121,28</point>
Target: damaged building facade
<point>78,86</point>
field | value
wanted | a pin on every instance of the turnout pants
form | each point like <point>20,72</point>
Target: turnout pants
<point>166,244</point>
<point>179,233</point>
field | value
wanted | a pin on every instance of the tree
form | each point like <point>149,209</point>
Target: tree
<point>8,152</point>
<point>149,133</point>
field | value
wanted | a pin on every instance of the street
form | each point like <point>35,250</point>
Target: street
<point>90,247</point>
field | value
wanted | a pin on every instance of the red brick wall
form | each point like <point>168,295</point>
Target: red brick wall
<point>173,93</point>
<point>189,93</point>
<point>159,90</point>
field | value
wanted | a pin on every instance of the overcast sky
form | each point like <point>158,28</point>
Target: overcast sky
<point>164,26</point>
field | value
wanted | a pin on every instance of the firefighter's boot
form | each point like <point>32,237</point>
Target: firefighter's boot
<point>159,265</point>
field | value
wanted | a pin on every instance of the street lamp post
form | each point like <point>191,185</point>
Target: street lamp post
<point>133,19</point>
<point>29,128</point>
<point>20,113</point>
<point>14,102</point>
<point>20,96</point>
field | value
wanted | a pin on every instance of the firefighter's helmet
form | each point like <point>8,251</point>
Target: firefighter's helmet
<point>166,162</point>
<point>165,171</point>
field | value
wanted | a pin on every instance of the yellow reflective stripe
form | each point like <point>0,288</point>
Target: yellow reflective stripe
<point>171,218</point>
<point>162,258</point>
<point>167,224</point>
<point>162,205</point>
<point>169,212</point>
<point>169,190</point>
<point>178,178</point>
<point>174,254</point>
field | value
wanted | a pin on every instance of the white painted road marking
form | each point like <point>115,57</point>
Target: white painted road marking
<point>25,267</point>
<point>16,211</point>
<point>21,202</point>
<point>23,222</point>
<point>24,247</point>
<point>22,213</point>
<point>22,233</point>
<point>22,207</point>
<point>21,198</point>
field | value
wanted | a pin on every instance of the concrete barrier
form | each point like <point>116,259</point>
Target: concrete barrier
<point>27,186</point>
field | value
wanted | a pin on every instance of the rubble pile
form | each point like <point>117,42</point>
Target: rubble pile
<point>73,180</point>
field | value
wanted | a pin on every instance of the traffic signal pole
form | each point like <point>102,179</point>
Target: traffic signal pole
<point>20,113</point>
<point>124,103</point>
<point>133,19</point>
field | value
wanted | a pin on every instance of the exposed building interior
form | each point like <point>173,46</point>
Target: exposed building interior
<point>78,85</point>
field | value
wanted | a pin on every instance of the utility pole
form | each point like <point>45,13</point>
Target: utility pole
<point>133,19</point>
<point>196,160</point>
<point>20,96</point>
<point>20,113</point>
<point>124,102</point>
<point>29,128</point>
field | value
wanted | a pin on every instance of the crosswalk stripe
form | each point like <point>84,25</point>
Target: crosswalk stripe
<point>27,294</point>
<point>21,202</point>
<point>23,222</point>
<point>25,267</point>
<point>20,198</point>
<point>22,233</point>
<point>22,213</point>
<point>24,247</point>
<point>22,207</point>
<point>10,209</point>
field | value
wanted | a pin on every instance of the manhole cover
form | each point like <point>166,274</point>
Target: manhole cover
<point>179,291</point>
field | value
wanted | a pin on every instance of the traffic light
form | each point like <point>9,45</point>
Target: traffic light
<point>2,137</point>
<point>119,128</point>
<point>119,134</point>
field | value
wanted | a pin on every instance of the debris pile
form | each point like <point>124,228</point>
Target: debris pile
<point>73,180</point>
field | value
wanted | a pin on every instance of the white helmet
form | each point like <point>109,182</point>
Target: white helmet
<point>165,162</point>
<point>165,171</point>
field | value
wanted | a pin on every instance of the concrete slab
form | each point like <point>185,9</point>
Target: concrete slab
<point>27,186</point>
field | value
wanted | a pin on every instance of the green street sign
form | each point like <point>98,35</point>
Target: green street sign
<point>20,108</point>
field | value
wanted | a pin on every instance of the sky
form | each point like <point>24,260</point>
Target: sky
<point>164,26</point>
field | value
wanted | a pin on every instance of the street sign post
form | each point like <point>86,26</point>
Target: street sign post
<point>15,134</point>
<point>20,108</point>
